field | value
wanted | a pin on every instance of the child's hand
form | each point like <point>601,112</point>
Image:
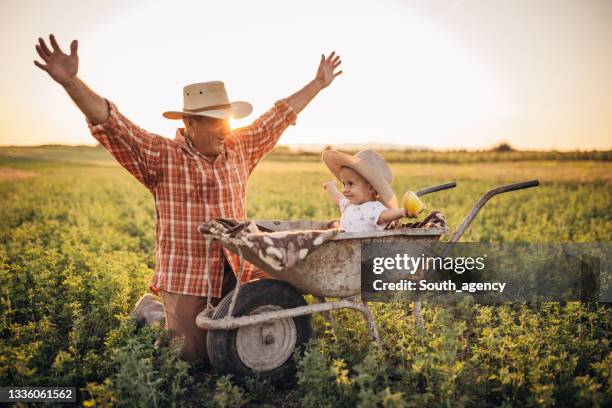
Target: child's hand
<point>332,191</point>
<point>327,184</point>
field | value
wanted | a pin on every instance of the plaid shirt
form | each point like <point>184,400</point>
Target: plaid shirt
<point>189,190</point>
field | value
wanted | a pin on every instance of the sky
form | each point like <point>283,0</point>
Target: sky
<point>442,74</point>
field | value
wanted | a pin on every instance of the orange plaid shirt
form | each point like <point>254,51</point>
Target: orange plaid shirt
<point>189,190</point>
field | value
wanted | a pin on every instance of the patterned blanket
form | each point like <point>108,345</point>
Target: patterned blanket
<point>282,250</point>
<point>435,219</point>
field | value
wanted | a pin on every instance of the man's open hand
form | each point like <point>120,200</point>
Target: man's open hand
<point>61,67</point>
<point>327,66</point>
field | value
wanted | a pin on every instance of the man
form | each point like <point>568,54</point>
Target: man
<point>200,175</point>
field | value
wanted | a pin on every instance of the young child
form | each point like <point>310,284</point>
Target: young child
<point>367,202</point>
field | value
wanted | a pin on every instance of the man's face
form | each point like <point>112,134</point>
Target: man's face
<point>208,134</point>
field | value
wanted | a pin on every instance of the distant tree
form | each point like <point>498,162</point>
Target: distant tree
<point>327,147</point>
<point>503,147</point>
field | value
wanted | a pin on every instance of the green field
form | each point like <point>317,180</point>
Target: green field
<point>77,250</point>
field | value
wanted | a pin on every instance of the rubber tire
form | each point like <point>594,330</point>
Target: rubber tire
<point>221,344</point>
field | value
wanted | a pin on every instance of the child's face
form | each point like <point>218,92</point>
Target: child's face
<point>356,189</point>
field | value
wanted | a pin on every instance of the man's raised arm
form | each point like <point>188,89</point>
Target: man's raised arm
<point>325,76</point>
<point>138,151</point>
<point>63,69</point>
<point>262,135</point>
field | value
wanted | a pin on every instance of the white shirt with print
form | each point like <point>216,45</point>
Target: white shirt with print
<point>361,217</point>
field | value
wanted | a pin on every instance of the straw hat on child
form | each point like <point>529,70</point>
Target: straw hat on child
<point>370,165</point>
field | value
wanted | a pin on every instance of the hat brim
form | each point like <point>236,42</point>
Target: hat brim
<point>334,161</point>
<point>238,110</point>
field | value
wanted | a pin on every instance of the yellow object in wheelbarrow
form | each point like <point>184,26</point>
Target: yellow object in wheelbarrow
<point>412,204</point>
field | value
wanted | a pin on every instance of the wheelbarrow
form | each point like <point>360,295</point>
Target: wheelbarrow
<point>256,327</point>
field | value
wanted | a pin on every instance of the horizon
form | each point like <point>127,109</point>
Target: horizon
<point>442,74</point>
<point>312,148</point>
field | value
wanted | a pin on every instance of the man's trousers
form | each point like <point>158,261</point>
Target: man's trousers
<point>181,312</point>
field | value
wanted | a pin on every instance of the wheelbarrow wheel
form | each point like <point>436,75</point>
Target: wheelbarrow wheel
<point>265,349</point>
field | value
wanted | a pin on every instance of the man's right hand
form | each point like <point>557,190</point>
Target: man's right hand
<point>61,67</point>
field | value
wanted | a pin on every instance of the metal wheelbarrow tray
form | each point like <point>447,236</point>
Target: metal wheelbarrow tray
<point>333,269</point>
<point>257,326</point>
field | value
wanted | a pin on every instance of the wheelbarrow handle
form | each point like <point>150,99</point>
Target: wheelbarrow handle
<point>483,200</point>
<point>433,189</point>
<point>516,186</point>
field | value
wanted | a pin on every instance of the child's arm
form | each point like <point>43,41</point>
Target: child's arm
<point>391,214</point>
<point>334,194</point>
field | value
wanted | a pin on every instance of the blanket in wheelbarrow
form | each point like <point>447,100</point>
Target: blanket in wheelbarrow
<point>435,219</point>
<point>280,250</point>
<point>283,249</point>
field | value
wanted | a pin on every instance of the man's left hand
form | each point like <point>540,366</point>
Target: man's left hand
<point>325,75</point>
<point>327,66</point>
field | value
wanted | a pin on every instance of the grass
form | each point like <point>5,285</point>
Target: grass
<point>77,250</point>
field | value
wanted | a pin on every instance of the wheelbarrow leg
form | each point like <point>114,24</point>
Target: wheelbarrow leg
<point>418,316</point>
<point>369,318</point>
<point>328,317</point>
